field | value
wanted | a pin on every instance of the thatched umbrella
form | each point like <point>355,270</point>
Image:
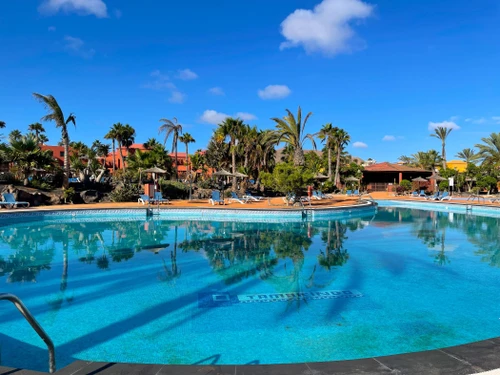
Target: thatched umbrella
<point>320,176</point>
<point>154,171</point>
<point>223,173</point>
<point>419,179</point>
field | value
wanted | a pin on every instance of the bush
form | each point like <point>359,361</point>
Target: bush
<point>406,185</point>
<point>69,195</point>
<point>7,177</point>
<point>400,189</point>
<point>329,187</point>
<point>287,178</point>
<point>174,189</point>
<point>207,184</point>
<point>443,185</point>
<point>42,185</point>
<point>127,192</point>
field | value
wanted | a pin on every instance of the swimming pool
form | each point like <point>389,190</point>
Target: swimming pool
<point>129,289</point>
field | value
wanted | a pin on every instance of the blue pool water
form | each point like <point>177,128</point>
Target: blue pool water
<point>191,292</point>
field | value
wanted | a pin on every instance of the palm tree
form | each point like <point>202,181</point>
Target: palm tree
<point>326,134</point>
<point>102,150</point>
<point>150,144</point>
<point>291,130</point>
<point>174,128</point>
<point>112,134</point>
<point>340,139</point>
<point>125,138</point>
<point>187,139</point>
<point>489,152</point>
<point>2,124</point>
<point>56,114</point>
<point>36,128</point>
<point>442,133</point>
<point>468,155</point>
<point>43,139</point>
<point>15,134</point>
<point>233,129</point>
<point>407,160</point>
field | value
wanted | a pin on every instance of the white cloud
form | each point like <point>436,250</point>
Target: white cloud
<point>359,145</point>
<point>389,138</point>
<point>76,46</point>
<point>160,82</point>
<point>84,7</point>
<point>213,117</point>
<point>186,74</point>
<point>245,116</point>
<point>326,28</point>
<point>274,92</point>
<point>177,97</point>
<point>52,28</point>
<point>216,91</point>
<point>444,124</point>
<point>496,119</point>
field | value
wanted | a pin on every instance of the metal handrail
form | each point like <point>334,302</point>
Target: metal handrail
<point>35,325</point>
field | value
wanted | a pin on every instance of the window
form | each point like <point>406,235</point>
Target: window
<point>61,154</point>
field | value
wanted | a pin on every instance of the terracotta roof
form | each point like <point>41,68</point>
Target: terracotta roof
<point>390,167</point>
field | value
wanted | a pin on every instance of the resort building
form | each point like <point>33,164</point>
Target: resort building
<point>457,165</point>
<point>384,176</point>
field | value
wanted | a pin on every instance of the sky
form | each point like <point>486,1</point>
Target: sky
<point>386,71</point>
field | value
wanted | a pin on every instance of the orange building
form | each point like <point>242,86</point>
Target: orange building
<point>57,152</point>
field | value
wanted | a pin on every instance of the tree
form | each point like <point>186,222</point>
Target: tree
<point>127,138</point>
<point>489,152</point>
<point>2,124</point>
<point>468,155</point>
<point>426,160</point>
<point>112,135</point>
<point>340,139</point>
<point>187,139</point>
<point>15,134</point>
<point>56,114</point>
<point>233,128</point>
<point>326,134</point>
<point>101,150</point>
<point>291,131</point>
<point>124,136</point>
<point>287,178</point>
<point>36,128</point>
<point>43,139</point>
<point>150,144</point>
<point>442,133</point>
<point>174,128</point>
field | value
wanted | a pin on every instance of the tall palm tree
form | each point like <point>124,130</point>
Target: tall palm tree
<point>15,134</point>
<point>127,138</point>
<point>2,124</point>
<point>405,159</point>
<point>340,139</point>
<point>36,128</point>
<point>112,134</point>
<point>442,133</point>
<point>150,144</point>
<point>291,130</point>
<point>174,128</point>
<point>101,150</point>
<point>55,114</point>
<point>489,152</point>
<point>187,139</point>
<point>233,129</point>
<point>326,134</point>
<point>43,139</point>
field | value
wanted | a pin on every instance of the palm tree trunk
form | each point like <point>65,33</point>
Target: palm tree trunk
<point>121,157</point>
<point>337,167</point>
<point>298,157</point>
<point>233,161</point>
<point>66,159</point>
<point>444,156</point>
<point>114,165</point>
<point>329,160</point>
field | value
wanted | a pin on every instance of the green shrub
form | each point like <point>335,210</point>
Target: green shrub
<point>127,192</point>
<point>42,185</point>
<point>406,185</point>
<point>287,178</point>
<point>69,195</point>
<point>174,189</point>
<point>206,184</point>
<point>328,187</point>
<point>443,185</point>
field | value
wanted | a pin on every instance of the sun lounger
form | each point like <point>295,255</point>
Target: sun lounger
<point>249,197</point>
<point>348,193</point>
<point>445,196</point>
<point>316,195</point>
<point>158,198</point>
<point>10,201</point>
<point>433,197</point>
<point>323,195</point>
<point>356,192</point>
<point>235,198</point>
<point>144,199</point>
<point>216,198</point>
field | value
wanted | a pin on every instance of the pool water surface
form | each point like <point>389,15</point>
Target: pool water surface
<point>188,292</point>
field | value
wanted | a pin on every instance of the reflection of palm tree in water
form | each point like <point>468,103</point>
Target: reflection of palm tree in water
<point>334,254</point>
<point>172,273</point>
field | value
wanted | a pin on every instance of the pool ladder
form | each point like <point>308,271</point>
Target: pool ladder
<point>35,325</point>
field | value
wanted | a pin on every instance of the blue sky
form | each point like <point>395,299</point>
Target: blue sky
<point>379,69</point>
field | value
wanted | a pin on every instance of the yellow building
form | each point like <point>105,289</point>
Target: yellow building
<point>458,165</point>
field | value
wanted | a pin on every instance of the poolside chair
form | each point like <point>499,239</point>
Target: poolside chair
<point>10,201</point>
<point>433,197</point>
<point>144,199</point>
<point>216,198</point>
<point>348,193</point>
<point>316,195</point>
<point>323,195</point>
<point>249,197</point>
<point>158,198</point>
<point>422,194</point>
<point>235,198</point>
<point>445,196</point>
<point>356,192</point>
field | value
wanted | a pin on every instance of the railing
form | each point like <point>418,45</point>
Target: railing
<point>35,325</point>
